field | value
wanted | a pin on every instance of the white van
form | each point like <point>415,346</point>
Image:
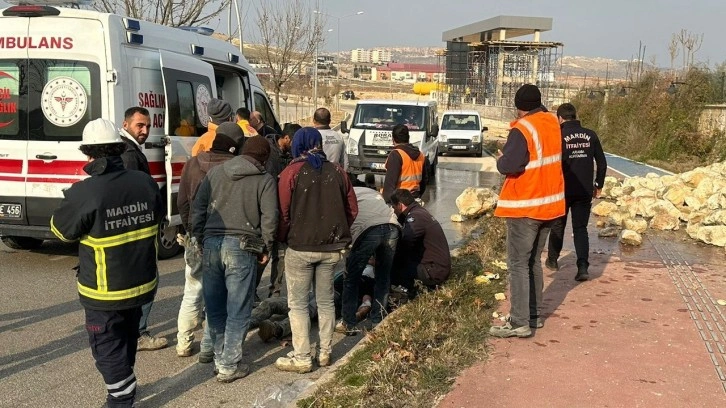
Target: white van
<point>461,132</point>
<point>61,68</point>
<point>370,140</point>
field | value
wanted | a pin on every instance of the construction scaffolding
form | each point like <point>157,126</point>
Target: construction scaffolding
<point>484,67</point>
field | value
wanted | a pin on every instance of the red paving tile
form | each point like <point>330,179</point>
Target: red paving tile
<point>626,338</point>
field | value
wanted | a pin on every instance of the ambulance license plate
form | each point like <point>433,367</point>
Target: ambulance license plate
<point>458,147</point>
<point>378,166</point>
<point>11,210</point>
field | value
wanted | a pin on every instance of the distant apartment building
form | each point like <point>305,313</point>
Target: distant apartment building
<point>394,71</point>
<point>375,56</point>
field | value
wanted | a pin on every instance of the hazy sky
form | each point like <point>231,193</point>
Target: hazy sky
<point>605,28</point>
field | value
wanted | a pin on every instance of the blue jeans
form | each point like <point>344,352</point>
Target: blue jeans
<point>379,241</point>
<point>229,285</point>
<point>144,321</point>
<point>525,240</point>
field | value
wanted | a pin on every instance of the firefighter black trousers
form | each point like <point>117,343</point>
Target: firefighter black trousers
<point>113,336</point>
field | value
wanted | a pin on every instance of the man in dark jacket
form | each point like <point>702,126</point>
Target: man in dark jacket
<point>580,147</point>
<point>115,213</point>
<point>318,206</point>
<point>135,131</point>
<point>423,252</point>
<point>258,122</point>
<point>137,123</point>
<point>226,145</point>
<point>235,215</point>
<point>406,166</point>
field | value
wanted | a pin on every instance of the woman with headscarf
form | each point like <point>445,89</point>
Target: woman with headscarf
<point>317,208</point>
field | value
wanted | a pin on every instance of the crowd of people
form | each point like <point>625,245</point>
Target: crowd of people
<point>248,198</point>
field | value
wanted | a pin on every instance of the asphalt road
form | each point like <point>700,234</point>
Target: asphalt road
<point>45,360</point>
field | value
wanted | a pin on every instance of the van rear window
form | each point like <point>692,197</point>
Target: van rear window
<point>9,99</point>
<point>47,99</point>
<point>68,99</point>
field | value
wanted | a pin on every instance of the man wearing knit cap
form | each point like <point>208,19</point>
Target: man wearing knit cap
<point>318,206</point>
<point>235,216</point>
<point>219,112</point>
<point>532,195</point>
<point>226,145</point>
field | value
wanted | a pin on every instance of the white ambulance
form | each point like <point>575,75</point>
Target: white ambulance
<point>61,68</point>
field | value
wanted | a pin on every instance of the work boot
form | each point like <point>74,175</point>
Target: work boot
<point>206,357</point>
<point>269,330</point>
<point>294,365</point>
<point>582,274</point>
<point>241,372</point>
<point>343,328</point>
<point>551,264</point>
<point>184,352</point>
<point>148,342</point>
<point>324,359</point>
<point>507,330</point>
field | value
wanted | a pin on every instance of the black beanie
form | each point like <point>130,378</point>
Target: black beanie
<point>219,111</point>
<point>528,98</point>
<point>258,148</point>
<point>229,138</point>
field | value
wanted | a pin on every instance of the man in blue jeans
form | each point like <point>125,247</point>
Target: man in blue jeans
<point>375,232</point>
<point>235,216</point>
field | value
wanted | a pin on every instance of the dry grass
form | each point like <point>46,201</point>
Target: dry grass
<point>413,357</point>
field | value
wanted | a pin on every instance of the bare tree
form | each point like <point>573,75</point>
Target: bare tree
<point>690,43</point>
<point>174,13</point>
<point>673,51</point>
<point>288,32</point>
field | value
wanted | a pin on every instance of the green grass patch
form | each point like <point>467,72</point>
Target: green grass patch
<point>412,358</point>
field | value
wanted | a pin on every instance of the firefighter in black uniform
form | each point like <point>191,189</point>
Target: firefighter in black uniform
<point>115,214</point>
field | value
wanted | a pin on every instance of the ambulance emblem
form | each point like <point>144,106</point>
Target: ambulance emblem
<point>64,101</point>
<point>202,98</point>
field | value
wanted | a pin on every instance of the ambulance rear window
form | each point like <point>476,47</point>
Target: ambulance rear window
<point>9,100</point>
<point>63,96</point>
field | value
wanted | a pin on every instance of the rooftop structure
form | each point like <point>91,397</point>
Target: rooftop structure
<point>486,62</point>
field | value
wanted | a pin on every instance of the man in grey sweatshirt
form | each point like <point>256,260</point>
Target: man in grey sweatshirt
<point>235,215</point>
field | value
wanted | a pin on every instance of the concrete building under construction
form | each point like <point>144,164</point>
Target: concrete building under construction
<point>486,62</point>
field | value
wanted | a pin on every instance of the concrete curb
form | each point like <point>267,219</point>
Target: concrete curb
<point>330,373</point>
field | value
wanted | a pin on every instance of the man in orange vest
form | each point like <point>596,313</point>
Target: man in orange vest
<point>533,194</point>
<point>406,166</point>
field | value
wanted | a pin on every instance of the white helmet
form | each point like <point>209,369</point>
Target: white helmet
<point>100,131</point>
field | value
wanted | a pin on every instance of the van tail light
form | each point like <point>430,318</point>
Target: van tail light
<point>30,11</point>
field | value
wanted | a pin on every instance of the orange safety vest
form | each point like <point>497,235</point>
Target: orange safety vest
<point>539,192</point>
<point>411,171</point>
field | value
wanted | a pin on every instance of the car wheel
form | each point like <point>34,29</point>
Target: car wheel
<point>22,242</point>
<point>167,245</point>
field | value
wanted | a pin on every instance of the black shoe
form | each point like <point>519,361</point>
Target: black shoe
<point>582,274</point>
<point>551,264</point>
<point>536,322</point>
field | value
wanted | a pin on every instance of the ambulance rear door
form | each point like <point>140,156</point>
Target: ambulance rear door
<point>66,59</point>
<point>189,85</point>
<point>13,123</point>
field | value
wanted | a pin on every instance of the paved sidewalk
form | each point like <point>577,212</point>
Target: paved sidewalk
<point>645,331</point>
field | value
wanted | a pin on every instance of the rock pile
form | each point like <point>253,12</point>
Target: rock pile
<point>696,198</point>
<point>473,203</point>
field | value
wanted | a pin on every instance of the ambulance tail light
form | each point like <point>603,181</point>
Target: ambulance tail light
<point>30,11</point>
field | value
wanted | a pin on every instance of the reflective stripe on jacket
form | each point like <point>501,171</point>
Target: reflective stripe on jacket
<point>115,214</point>
<point>411,171</point>
<point>538,192</point>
